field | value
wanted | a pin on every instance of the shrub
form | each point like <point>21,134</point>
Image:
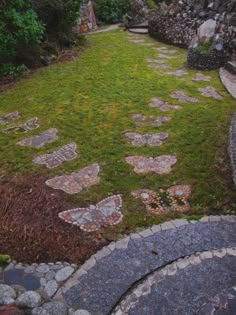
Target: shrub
<point>111,11</point>
<point>59,17</point>
<point>20,32</point>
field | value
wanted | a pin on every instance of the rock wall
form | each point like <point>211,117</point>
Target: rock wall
<point>178,23</point>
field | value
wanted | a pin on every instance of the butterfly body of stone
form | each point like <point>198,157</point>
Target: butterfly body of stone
<point>95,217</point>
<point>173,199</point>
<point>76,182</point>
<point>56,158</point>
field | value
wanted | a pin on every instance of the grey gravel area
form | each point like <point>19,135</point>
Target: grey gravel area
<point>188,286</point>
<point>232,146</point>
<point>100,283</point>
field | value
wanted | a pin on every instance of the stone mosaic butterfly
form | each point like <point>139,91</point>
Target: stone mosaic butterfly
<point>147,139</point>
<point>9,117</point>
<point>76,182</point>
<point>160,165</point>
<point>56,158</point>
<point>163,106</point>
<point>95,217</point>
<point>29,125</point>
<point>173,199</point>
<point>39,141</point>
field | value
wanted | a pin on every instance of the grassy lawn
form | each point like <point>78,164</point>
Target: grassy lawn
<point>90,101</point>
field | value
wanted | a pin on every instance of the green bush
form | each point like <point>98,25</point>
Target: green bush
<point>4,260</point>
<point>20,32</point>
<point>111,11</point>
<point>59,17</point>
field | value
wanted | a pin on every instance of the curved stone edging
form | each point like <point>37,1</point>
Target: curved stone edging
<point>141,296</point>
<point>229,81</point>
<point>99,284</point>
<point>232,146</point>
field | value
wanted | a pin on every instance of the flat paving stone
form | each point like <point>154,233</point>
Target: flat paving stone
<point>78,181</point>
<point>151,120</point>
<point>57,157</point>
<point>41,140</point>
<point>95,217</point>
<point>163,106</point>
<point>29,125</point>
<point>201,77</point>
<point>159,165</point>
<point>181,96</point>
<point>184,291</point>
<point>99,290</point>
<point>173,199</point>
<point>178,73</point>
<point>210,91</point>
<point>160,66</point>
<point>6,119</point>
<point>162,55</point>
<point>151,60</point>
<point>147,139</point>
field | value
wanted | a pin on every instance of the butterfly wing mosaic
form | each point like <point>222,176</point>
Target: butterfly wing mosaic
<point>76,182</point>
<point>29,125</point>
<point>159,165</point>
<point>9,117</point>
<point>95,217</point>
<point>173,199</point>
<point>56,158</point>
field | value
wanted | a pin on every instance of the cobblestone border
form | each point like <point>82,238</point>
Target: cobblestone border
<point>144,288</point>
<point>99,283</point>
<point>232,146</point>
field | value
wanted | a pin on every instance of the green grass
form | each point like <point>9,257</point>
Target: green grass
<point>90,101</point>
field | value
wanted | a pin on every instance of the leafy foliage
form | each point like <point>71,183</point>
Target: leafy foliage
<point>59,17</point>
<point>20,31</point>
<point>111,11</point>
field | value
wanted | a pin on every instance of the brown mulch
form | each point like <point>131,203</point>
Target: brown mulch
<point>30,230</point>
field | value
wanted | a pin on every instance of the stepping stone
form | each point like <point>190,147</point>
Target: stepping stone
<point>171,51</point>
<point>161,49</point>
<point>137,41</point>
<point>9,117</point>
<point>181,96</point>
<point>201,77</point>
<point>95,217</point>
<point>39,141</point>
<point>150,140</point>
<point>173,199</point>
<point>150,60</point>
<point>166,56</point>
<point>178,73</point>
<point>163,106</point>
<point>210,91</point>
<point>159,165</point>
<point>161,66</point>
<point>76,182</point>
<point>56,158</point>
<point>139,30</point>
<point>152,121</point>
<point>29,125</point>
<point>147,44</point>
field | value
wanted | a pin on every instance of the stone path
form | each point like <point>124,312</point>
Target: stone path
<point>181,96</point>
<point>151,120</point>
<point>201,77</point>
<point>113,272</point>
<point>163,106</point>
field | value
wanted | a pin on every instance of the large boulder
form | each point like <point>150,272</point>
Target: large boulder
<point>206,31</point>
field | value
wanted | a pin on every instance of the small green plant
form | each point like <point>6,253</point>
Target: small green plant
<point>111,11</point>
<point>11,70</point>
<point>204,48</point>
<point>151,4</point>
<point>4,260</point>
